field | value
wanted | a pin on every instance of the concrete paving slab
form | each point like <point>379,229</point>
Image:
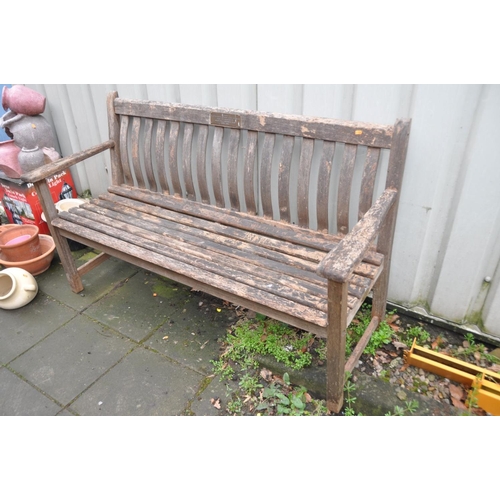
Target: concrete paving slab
<point>140,305</point>
<point>190,335</point>
<point>214,399</point>
<point>97,282</point>
<point>18,398</point>
<point>72,358</point>
<point>144,383</point>
<point>21,328</point>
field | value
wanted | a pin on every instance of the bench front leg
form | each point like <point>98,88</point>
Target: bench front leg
<point>335,345</point>
<point>63,250</point>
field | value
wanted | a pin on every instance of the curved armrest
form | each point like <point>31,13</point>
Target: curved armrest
<point>339,263</point>
<point>50,169</point>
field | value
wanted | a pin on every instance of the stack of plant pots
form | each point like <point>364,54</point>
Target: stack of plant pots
<point>22,246</point>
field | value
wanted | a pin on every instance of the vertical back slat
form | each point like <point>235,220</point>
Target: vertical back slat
<point>201,163</point>
<point>217,166</point>
<point>249,167</point>
<point>136,160</point>
<point>173,140</point>
<point>187,143</point>
<point>284,177</point>
<point>368,181</point>
<point>232,168</point>
<point>306,154</point>
<point>345,182</point>
<point>325,171</point>
<point>266,173</point>
<point>124,150</point>
<point>161,130</point>
<point>148,162</point>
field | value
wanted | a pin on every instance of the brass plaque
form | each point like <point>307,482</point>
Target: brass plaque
<point>228,120</point>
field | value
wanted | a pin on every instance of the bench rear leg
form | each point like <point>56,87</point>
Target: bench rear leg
<point>335,345</point>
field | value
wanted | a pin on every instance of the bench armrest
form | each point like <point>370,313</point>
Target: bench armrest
<point>340,262</point>
<point>50,169</point>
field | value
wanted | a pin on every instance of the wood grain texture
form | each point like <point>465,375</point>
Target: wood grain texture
<point>187,144</point>
<point>173,145</point>
<point>217,166</point>
<point>161,131</point>
<point>300,126</point>
<point>306,154</point>
<point>266,170</point>
<point>135,151</point>
<point>345,183</point>
<point>284,178</point>
<point>201,163</point>
<point>324,176</point>
<point>249,172</point>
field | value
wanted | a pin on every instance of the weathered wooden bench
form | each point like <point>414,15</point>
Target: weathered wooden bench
<point>255,208</point>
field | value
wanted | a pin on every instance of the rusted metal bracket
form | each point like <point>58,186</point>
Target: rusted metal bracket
<point>484,383</point>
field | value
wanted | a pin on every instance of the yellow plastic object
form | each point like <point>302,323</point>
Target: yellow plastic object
<point>485,383</point>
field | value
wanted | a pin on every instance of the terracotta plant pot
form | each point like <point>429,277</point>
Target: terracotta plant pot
<point>20,243</point>
<point>17,288</point>
<point>24,100</point>
<point>39,264</point>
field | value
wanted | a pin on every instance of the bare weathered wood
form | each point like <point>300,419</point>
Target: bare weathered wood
<point>308,278</point>
<point>135,150</point>
<point>201,164</point>
<point>62,246</point>
<point>394,180</point>
<point>284,177</point>
<point>148,161</point>
<point>232,168</point>
<point>325,170</point>
<point>92,263</point>
<point>217,166</point>
<point>368,181</point>
<point>249,173</point>
<point>161,131</point>
<point>311,127</point>
<point>57,166</point>
<point>306,153</point>
<point>335,345</point>
<point>114,135</point>
<point>266,167</point>
<point>340,262</point>
<point>187,144</point>
<point>345,182</point>
<point>173,142</point>
<point>124,151</point>
<point>352,362</point>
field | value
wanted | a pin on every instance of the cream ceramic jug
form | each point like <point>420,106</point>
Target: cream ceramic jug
<point>17,288</point>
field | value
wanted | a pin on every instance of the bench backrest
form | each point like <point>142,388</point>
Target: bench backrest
<point>314,172</point>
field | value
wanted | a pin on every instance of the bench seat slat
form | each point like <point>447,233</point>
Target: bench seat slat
<point>255,224</point>
<point>127,249</point>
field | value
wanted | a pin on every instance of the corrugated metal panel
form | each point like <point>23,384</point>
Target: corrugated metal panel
<point>447,237</point>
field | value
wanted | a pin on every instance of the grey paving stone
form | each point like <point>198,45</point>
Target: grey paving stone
<point>73,357</point>
<point>190,335</point>
<point>21,328</point>
<point>213,400</point>
<point>143,383</point>
<point>97,282</point>
<point>18,398</point>
<point>141,305</point>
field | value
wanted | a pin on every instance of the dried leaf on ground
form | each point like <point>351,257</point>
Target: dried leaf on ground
<point>399,345</point>
<point>266,374</point>
<point>215,403</point>
<point>458,404</point>
<point>456,392</point>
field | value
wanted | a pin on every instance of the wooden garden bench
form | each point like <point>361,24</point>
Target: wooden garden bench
<point>254,208</point>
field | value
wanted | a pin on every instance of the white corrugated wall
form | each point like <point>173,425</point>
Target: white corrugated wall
<point>447,247</point>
